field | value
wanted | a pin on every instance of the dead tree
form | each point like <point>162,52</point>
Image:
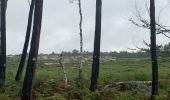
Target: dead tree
<point>146,48</point>
<point>81,41</point>
<point>142,22</point>
<point>153,49</point>
<point>96,53</point>
<point>3,4</point>
<point>30,70</point>
<point>63,69</point>
<point>27,38</point>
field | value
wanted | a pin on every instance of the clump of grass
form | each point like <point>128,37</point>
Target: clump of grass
<point>141,76</point>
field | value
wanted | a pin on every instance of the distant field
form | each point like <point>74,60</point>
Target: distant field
<point>49,84</point>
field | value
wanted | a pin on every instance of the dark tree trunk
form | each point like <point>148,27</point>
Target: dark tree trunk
<point>153,49</point>
<point>27,37</point>
<point>96,53</point>
<point>3,42</point>
<point>30,70</point>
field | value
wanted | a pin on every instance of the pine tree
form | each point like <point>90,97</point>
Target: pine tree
<point>96,53</point>
<point>3,41</point>
<point>27,38</point>
<point>30,70</point>
<point>153,49</point>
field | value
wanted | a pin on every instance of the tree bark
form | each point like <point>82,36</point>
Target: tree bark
<point>153,49</point>
<point>81,41</point>
<point>3,42</point>
<point>27,38</point>
<point>30,70</point>
<point>96,53</point>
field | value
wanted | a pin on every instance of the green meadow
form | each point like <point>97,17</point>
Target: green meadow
<point>49,80</point>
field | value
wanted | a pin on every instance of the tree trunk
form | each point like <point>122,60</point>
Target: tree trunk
<point>63,69</point>
<point>27,38</point>
<point>96,53</point>
<point>3,41</point>
<point>30,70</point>
<point>81,41</point>
<point>153,49</point>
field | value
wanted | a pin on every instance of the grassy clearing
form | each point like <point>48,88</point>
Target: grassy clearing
<point>49,84</point>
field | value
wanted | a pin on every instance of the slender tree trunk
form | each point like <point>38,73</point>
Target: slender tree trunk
<point>30,71</point>
<point>27,38</point>
<point>63,69</point>
<point>3,42</point>
<point>81,41</point>
<point>153,49</point>
<point>96,53</point>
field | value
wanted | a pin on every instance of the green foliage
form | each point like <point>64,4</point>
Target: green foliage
<point>4,97</point>
<point>49,81</point>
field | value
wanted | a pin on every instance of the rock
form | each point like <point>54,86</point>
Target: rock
<point>143,88</point>
<point>122,85</point>
<point>108,86</point>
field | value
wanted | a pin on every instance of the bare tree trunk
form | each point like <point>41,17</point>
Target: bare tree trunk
<point>96,53</point>
<point>153,49</point>
<point>62,67</point>
<point>30,71</point>
<point>81,41</point>
<point>3,42</point>
<point>27,38</point>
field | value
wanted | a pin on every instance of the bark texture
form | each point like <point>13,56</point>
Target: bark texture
<point>30,70</point>
<point>81,41</point>
<point>96,53</point>
<point>153,49</point>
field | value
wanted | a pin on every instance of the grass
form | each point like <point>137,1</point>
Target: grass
<point>49,84</point>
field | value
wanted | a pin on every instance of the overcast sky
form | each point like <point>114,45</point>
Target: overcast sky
<point>60,25</point>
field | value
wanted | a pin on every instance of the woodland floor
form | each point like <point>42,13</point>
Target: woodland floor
<point>49,83</point>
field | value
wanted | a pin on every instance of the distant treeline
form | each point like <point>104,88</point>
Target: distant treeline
<point>163,51</point>
<point>122,54</point>
<point>115,54</point>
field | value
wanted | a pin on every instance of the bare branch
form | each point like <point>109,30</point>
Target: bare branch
<point>140,21</point>
<point>143,23</point>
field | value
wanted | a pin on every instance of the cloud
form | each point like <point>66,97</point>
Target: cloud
<point>60,25</point>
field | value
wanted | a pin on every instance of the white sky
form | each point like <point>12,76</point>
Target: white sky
<point>60,25</point>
